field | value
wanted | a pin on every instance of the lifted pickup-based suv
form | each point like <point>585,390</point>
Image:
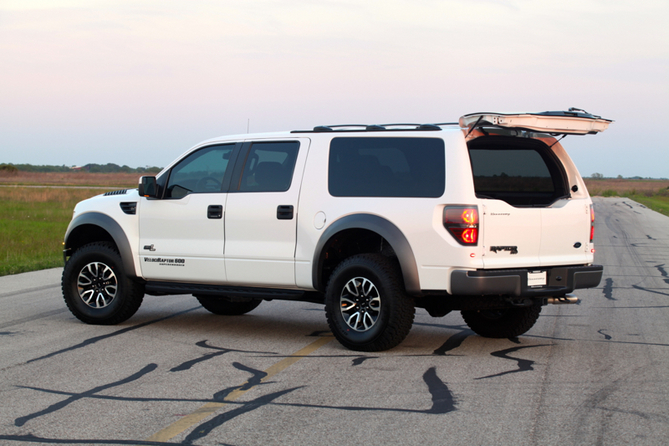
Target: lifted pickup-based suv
<point>487,216</point>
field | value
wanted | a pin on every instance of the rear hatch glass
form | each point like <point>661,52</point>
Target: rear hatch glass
<point>519,171</point>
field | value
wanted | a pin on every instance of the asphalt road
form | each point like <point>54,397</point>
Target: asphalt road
<point>594,373</point>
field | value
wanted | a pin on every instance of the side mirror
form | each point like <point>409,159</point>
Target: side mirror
<point>147,187</point>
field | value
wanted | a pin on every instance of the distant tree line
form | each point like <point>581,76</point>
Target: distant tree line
<point>599,176</point>
<point>94,168</point>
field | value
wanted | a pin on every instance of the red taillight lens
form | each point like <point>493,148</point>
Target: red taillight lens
<point>592,223</point>
<point>462,222</point>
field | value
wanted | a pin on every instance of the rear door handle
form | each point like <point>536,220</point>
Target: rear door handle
<point>284,212</point>
<point>215,211</point>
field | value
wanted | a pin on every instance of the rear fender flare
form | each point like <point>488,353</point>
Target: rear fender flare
<point>380,226</point>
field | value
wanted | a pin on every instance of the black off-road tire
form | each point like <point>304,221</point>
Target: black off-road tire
<point>95,287</point>
<point>506,323</point>
<point>366,305</point>
<point>223,306</point>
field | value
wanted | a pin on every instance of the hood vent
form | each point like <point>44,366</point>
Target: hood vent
<point>116,192</point>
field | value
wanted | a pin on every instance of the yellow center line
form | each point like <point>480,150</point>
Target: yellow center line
<point>203,412</point>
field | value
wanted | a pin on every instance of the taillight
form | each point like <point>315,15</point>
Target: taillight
<point>462,222</point>
<point>592,223</point>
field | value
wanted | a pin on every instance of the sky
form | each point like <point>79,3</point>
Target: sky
<point>139,82</point>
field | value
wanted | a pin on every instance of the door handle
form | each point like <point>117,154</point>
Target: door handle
<point>215,211</point>
<point>284,212</point>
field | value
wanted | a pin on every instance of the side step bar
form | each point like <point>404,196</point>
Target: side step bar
<point>243,293</point>
<point>563,300</point>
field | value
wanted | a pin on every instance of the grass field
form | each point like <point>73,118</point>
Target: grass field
<point>651,193</point>
<point>113,180</point>
<point>32,225</point>
<point>33,220</point>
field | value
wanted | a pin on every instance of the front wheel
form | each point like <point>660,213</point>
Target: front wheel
<point>365,303</point>
<point>95,287</point>
<point>504,323</point>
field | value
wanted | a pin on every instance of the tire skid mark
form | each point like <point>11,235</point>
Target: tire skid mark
<point>443,400</point>
<point>206,428</point>
<point>34,317</point>
<point>360,359</point>
<point>608,289</point>
<point>221,351</point>
<point>30,438</point>
<point>96,339</point>
<point>637,287</point>
<point>595,403</point>
<point>125,399</point>
<point>76,397</point>
<point>452,343</point>
<point>606,336</point>
<point>29,290</point>
<point>524,365</point>
<point>663,272</point>
<point>255,380</point>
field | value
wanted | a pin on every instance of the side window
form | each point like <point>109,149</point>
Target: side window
<point>521,172</point>
<point>269,167</point>
<point>386,167</point>
<point>200,172</point>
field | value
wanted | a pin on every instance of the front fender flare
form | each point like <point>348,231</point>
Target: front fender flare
<point>111,226</point>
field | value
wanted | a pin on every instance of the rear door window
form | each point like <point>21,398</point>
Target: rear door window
<point>269,167</point>
<point>386,167</point>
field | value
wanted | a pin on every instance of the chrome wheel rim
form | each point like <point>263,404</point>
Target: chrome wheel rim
<point>97,285</point>
<point>360,304</point>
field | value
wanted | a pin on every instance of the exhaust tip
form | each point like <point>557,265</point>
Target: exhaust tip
<point>563,300</point>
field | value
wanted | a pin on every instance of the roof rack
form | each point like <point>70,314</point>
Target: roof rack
<point>375,127</point>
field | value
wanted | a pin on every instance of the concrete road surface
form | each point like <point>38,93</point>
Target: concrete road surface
<point>594,373</point>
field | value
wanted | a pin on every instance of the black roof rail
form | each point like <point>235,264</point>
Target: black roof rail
<point>375,127</point>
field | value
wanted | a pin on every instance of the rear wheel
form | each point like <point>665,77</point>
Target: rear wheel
<point>225,306</point>
<point>365,304</point>
<point>95,287</point>
<point>503,323</point>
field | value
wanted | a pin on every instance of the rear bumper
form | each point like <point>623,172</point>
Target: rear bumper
<point>560,280</point>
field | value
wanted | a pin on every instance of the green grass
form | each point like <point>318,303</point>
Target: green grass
<point>658,203</point>
<point>32,225</point>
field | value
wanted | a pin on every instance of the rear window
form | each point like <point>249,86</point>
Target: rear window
<point>522,172</point>
<point>386,167</point>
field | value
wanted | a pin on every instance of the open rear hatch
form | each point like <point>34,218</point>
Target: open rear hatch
<point>571,122</point>
<point>531,215</point>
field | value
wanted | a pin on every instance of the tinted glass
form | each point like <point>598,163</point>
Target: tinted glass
<point>269,167</point>
<point>386,167</point>
<point>520,171</point>
<point>511,171</point>
<point>200,172</point>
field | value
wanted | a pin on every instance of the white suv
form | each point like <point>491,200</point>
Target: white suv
<point>488,216</point>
